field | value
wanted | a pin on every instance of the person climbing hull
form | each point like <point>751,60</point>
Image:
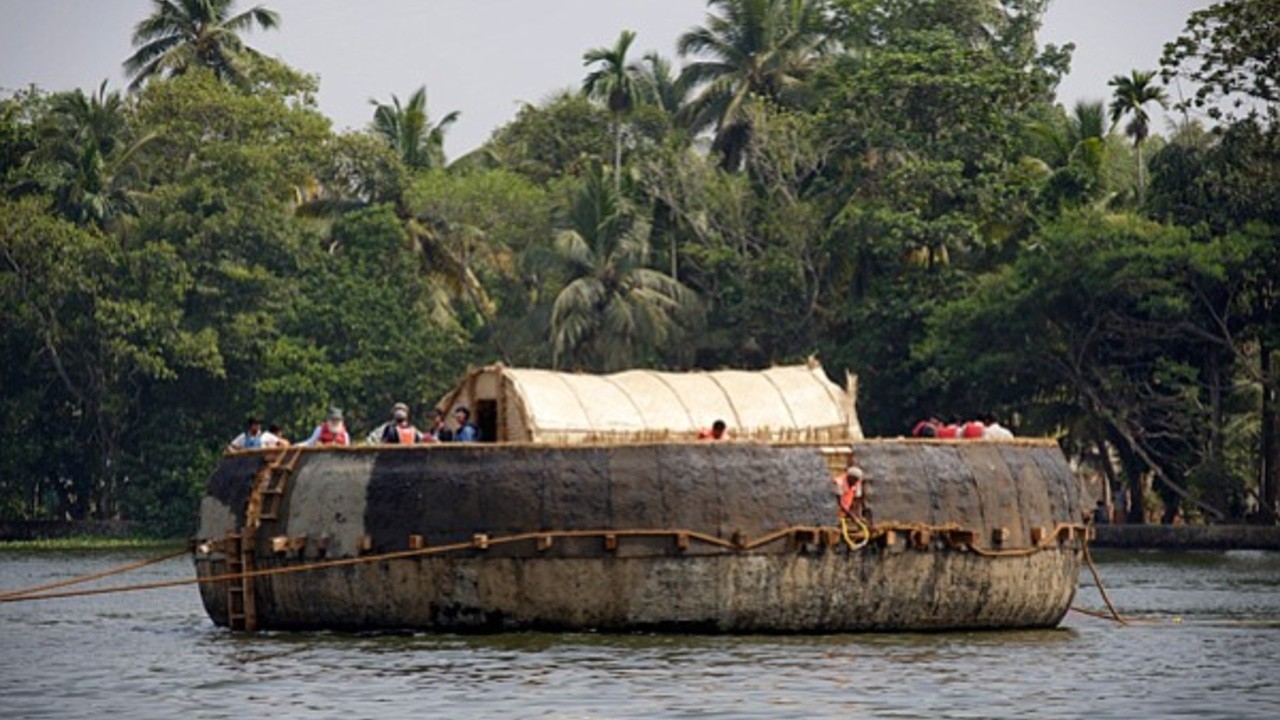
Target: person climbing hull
<point>723,537</point>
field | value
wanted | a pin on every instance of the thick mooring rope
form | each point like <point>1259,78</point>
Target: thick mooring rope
<point>1097,581</point>
<point>814,533</point>
<point>90,577</point>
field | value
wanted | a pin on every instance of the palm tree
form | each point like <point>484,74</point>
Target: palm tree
<point>1131,96</point>
<point>89,146</point>
<point>181,34</point>
<point>1074,146</point>
<point>614,83</point>
<point>409,132</point>
<point>613,304</point>
<point>754,48</point>
<point>661,87</point>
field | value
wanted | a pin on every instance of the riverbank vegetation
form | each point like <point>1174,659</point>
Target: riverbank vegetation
<point>888,185</point>
<point>94,543</point>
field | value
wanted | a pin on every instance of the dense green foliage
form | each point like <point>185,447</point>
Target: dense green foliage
<point>886,184</point>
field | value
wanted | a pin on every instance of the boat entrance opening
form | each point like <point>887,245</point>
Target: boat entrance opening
<point>487,420</point>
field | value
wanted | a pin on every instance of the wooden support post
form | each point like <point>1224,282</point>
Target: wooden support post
<point>545,542</point>
<point>611,542</point>
<point>480,541</point>
<point>682,541</point>
<point>416,542</point>
<point>1000,535</point>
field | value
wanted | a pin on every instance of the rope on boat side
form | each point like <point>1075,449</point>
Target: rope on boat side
<point>1097,581</point>
<point>80,579</point>
<point>814,533</point>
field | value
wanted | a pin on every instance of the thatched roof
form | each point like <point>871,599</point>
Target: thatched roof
<point>783,403</point>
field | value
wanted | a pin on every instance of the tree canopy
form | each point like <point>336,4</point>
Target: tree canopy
<point>888,184</point>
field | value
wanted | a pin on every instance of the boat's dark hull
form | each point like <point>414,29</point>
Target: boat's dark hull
<point>603,541</point>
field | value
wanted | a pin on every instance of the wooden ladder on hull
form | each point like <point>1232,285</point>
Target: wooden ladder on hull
<point>277,481</point>
<point>265,498</point>
<point>241,609</point>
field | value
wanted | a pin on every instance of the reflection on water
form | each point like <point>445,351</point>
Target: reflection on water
<point>1208,645</point>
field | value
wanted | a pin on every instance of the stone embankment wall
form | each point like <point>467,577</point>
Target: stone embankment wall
<point>1188,537</point>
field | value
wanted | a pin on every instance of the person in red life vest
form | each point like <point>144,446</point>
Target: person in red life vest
<point>973,430</point>
<point>330,432</point>
<point>849,486</point>
<point>398,430</point>
<point>719,431</point>
<point>950,431</point>
<point>926,428</point>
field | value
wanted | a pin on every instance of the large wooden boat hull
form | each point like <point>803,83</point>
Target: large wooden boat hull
<point>727,537</point>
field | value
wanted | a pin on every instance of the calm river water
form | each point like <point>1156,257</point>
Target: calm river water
<point>1209,648</point>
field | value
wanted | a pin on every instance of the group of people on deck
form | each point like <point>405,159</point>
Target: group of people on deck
<point>399,430</point>
<point>984,428</point>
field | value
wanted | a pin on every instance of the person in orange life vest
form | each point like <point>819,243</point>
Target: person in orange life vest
<point>950,431</point>
<point>973,430</point>
<point>330,432</point>
<point>719,431</point>
<point>849,486</point>
<point>396,431</point>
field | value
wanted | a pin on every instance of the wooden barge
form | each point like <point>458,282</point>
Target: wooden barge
<point>582,526</point>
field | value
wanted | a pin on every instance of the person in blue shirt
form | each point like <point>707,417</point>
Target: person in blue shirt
<point>466,432</point>
<point>253,438</point>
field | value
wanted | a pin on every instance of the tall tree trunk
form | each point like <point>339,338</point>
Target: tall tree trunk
<point>617,153</point>
<point>1220,492</point>
<point>1142,187</point>
<point>1269,482</point>
<point>1134,471</point>
<point>1111,480</point>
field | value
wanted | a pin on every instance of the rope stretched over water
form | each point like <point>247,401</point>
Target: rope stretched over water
<point>482,542</point>
<point>1097,581</point>
<point>90,577</point>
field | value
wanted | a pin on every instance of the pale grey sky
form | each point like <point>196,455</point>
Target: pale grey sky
<point>485,57</point>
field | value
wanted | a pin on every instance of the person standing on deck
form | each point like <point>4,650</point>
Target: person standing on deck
<point>253,438</point>
<point>926,428</point>
<point>439,431</point>
<point>281,440</point>
<point>719,431</point>
<point>996,431</point>
<point>331,432</point>
<point>466,432</point>
<point>396,431</point>
<point>973,430</point>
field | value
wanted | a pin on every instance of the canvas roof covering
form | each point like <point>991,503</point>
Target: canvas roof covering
<point>794,402</point>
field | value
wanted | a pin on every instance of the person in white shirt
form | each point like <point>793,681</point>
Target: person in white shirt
<point>253,438</point>
<point>995,431</point>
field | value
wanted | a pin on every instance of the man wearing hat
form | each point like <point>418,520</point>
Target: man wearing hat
<point>396,431</point>
<point>331,431</point>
